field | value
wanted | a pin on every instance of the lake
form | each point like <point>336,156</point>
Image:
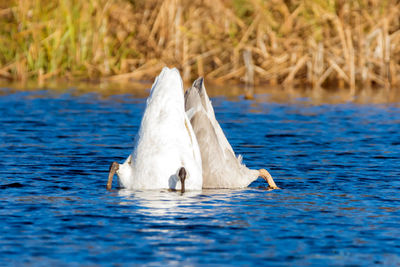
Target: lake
<point>337,163</point>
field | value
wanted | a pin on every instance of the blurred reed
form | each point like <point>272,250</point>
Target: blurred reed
<point>300,42</point>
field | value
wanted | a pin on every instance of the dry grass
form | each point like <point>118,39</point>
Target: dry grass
<point>321,43</point>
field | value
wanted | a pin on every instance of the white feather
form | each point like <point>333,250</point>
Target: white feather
<point>221,168</point>
<point>165,142</point>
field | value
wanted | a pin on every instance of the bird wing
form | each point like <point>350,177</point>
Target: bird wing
<point>196,98</point>
<point>221,168</point>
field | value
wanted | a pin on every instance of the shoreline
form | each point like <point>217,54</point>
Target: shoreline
<point>262,93</point>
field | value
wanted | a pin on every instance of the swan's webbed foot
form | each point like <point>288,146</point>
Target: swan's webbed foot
<point>113,168</point>
<point>273,187</point>
<point>182,177</point>
<point>268,178</point>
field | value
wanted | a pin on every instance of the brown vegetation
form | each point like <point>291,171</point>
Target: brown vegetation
<point>321,43</point>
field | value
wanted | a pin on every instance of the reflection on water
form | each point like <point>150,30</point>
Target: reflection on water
<point>264,93</point>
<point>337,165</point>
<point>155,202</point>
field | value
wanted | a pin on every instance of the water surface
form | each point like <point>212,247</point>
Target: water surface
<point>338,165</point>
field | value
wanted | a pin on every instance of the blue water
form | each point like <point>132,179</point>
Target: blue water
<point>338,166</point>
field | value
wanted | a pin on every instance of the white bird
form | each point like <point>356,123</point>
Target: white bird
<point>166,153</point>
<point>221,168</point>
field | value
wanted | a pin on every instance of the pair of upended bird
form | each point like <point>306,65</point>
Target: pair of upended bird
<point>180,144</point>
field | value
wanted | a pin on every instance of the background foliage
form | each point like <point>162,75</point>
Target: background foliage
<point>331,42</point>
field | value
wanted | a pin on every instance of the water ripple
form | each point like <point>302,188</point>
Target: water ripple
<point>337,165</point>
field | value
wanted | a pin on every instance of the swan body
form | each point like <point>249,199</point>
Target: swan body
<point>165,143</point>
<point>221,168</point>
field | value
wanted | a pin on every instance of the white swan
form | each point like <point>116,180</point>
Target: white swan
<point>221,168</point>
<point>166,153</point>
